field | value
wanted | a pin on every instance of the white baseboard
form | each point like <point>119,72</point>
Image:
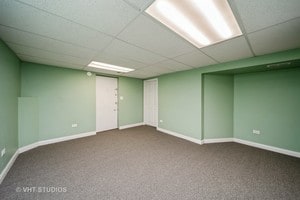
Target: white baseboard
<point>28,147</point>
<point>55,140</point>
<point>180,136</point>
<point>217,140</point>
<point>8,166</point>
<point>37,144</point>
<point>131,125</point>
<point>267,147</point>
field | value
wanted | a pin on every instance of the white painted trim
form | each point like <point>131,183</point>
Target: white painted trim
<point>217,140</point>
<point>37,144</point>
<point>156,99</point>
<point>267,147</point>
<point>180,136</point>
<point>66,138</point>
<point>28,147</point>
<point>8,166</point>
<point>131,125</point>
<point>55,140</point>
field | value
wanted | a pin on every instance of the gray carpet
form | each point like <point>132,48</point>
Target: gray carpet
<point>141,163</point>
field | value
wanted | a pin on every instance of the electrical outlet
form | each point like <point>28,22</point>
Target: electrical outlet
<point>74,125</point>
<point>2,152</point>
<point>161,121</point>
<point>256,131</point>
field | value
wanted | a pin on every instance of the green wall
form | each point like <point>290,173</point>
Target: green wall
<point>9,92</point>
<point>180,94</point>
<point>179,104</point>
<point>218,106</point>
<point>131,107</point>
<point>28,121</point>
<point>269,102</point>
<point>64,97</point>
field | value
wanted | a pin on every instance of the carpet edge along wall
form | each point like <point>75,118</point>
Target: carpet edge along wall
<point>268,102</point>
<point>67,96</point>
<point>176,92</point>
<point>63,97</point>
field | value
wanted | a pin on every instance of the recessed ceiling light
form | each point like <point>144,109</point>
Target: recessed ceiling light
<point>201,22</point>
<point>109,67</point>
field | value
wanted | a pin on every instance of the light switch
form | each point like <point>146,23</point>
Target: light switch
<point>121,97</point>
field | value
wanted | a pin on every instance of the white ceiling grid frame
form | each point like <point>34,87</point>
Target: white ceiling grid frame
<point>24,17</point>
<point>123,49</point>
<point>233,49</point>
<point>279,37</point>
<point>144,73</point>
<point>97,15</point>
<point>36,41</point>
<point>46,61</point>
<point>172,65</point>
<point>260,14</point>
<point>153,36</point>
<point>140,5</point>
<point>195,59</point>
<point>273,24</point>
<point>25,50</point>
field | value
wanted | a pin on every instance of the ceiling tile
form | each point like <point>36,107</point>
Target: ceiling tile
<point>276,38</point>
<point>99,15</point>
<point>159,69</point>
<point>24,50</point>
<point>146,33</point>
<point>23,17</point>
<point>116,60</point>
<point>229,50</point>
<point>140,4</point>
<point>126,50</point>
<point>171,65</point>
<point>143,73</point>
<point>195,59</point>
<point>259,14</point>
<point>39,42</point>
<point>48,62</point>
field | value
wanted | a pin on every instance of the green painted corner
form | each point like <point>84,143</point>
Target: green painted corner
<point>65,96</point>
<point>131,104</point>
<point>218,106</point>
<point>28,121</point>
<point>10,91</point>
<point>179,103</point>
<point>269,102</point>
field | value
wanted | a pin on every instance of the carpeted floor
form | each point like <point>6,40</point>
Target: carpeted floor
<point>141,163</point>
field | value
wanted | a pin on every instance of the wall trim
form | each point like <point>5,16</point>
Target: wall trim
<point>194,140</point>
<point>245,142</point>
<point>28,147</point>
<point>217,140</point>
<point>267,147</point>
<point>8,166</point>
<point>55,140</point>
<point>37,144</point>
<point>197,141</point>
<point>131,125</point>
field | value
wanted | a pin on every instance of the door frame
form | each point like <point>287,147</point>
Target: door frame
<point>148,80</point>
<point>96,90</point>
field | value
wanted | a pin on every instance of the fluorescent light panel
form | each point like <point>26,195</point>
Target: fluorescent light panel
<point>110,67</point>
<point>201,22</point>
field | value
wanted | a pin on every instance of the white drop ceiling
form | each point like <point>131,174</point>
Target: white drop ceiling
<point>72,33</point>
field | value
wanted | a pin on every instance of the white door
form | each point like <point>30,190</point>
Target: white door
<point>106,103</point>
<point>150,102</point>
